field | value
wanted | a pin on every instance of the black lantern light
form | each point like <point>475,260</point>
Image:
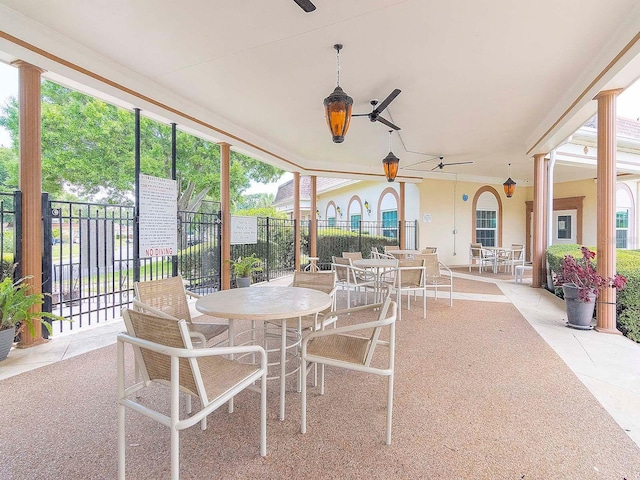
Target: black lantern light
<point>509,186</point>
<point>390,163</point>
<point>337,106</point>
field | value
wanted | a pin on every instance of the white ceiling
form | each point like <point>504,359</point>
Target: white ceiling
<point>489,82</point>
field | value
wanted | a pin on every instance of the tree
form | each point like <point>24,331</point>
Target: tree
<point>88,147</point>
<point>255,200</point>
<point>8,170</point>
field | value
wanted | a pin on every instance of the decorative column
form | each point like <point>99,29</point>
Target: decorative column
<point>296,217</point>
<point>401,230</point>
<point>30,179</point>
<point>313,234</point>
<point>538,220</point>
<point>606,197</point>
<point>225,206</point>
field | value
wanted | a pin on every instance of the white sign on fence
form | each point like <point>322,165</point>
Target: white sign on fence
<point>158,222</point>
<point>244,230</point>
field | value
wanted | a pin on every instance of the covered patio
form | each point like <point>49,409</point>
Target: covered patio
<point>494,387</point>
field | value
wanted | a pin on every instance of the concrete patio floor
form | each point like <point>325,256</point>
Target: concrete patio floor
<point>608,365</point>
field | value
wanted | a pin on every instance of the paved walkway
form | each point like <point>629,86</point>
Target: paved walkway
<point>608,365</point>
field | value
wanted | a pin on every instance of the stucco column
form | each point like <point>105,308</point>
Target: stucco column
<point>402,231</point>
<point>225,206</point>
<point>30,179</point>
<point>538,220</point>
<point>313,237</point>
<point>296,217</point>
<point>606,195</point>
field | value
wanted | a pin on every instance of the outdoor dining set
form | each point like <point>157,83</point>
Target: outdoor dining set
<point>215,346</point>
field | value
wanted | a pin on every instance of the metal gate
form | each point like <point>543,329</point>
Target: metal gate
<point>89,264</point>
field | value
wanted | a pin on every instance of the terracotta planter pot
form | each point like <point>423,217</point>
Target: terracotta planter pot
<point>579,313</point>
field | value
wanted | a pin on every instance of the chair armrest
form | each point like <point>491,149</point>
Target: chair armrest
<point>190,352</point>
<point>192,294</point>
<point>388,320</point>
<point>442,266</point>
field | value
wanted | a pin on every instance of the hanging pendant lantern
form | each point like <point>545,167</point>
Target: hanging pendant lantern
<point>390,163</point>
<point>337,106</point>
<point>509,186</point>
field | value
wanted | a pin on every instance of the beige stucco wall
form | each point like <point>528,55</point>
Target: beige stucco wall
<point>588,189</point>
<point>442,202</point>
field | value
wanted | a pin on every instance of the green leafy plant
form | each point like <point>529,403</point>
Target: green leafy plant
<point>15,306</point>
<point>245,266</point>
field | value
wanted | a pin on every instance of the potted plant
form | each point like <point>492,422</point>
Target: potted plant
<point>244,267</point>
<point>15,314</point>
<point>581,285</point>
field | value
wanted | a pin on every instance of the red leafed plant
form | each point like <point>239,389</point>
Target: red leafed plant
<point>583,275</point>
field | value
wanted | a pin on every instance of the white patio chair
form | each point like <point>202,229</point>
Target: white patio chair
<point>516,257</point>
<point>352,255</point>
<point>350,277</point>
<point>165,355</point>
<point>339,347</point>
<point>410,278</point>
<point>437,275</point>
<point>167,297</point>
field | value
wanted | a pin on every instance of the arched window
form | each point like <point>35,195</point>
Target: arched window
<point>388,208</point>
<point>487,217</point>
<point>331,214</point>
<point>355,213</point>
<point>625,217</point>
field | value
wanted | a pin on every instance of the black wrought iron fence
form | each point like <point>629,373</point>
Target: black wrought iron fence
<point>337,237</point>
<point>91,264</point>
<point>10,219</point>
<point>275,248</point>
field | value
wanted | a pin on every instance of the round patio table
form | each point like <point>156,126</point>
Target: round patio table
<point>264,304</point>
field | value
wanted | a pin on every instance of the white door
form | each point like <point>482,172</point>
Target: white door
<point>565,226</point>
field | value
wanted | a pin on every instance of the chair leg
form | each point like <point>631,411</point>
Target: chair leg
<point>263,416</point>
<point>303,398</point>
<point>122,445</point>
<point>389,409</point>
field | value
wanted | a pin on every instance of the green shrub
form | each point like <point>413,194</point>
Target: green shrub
<point>335,241</point>
<point>628,300</point>
<point>6,266</point>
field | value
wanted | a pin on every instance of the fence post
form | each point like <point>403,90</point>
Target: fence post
<point>268,249</point>
<point>136,215</point>
<point>360,235</point>
<point>17,236</point>
<point>416,235</point>
<point>47,262</point>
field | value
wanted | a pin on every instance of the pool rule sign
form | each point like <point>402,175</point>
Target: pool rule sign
<point>158,221</point>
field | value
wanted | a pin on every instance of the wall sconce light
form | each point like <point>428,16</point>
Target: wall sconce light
<point>367,206</point>
<point>337,106</point>
<point>390,163</point>
<point>339,211</point>
<point>509,186</point>
<point>317,213</point>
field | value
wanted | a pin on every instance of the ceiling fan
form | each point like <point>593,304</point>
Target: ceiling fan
<point>374,116</point>
<point>305,5</point>
<point>442,165</point>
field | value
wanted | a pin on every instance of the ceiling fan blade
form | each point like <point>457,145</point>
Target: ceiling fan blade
<point>305,5</point>
<point>387,123</point>
<point>385,103</point>
<point>360,114</point>
<point>437,166</point>
<point>456,163</point>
